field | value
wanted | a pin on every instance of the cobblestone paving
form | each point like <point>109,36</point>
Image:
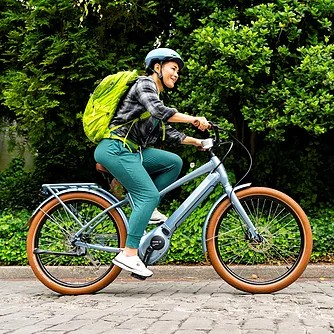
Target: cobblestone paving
<point>167,307</point>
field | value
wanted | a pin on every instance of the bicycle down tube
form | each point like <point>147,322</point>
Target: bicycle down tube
<point>216,176</point>
<point>203,191</point>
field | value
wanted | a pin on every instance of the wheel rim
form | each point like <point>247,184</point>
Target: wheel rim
<point>55,233</point>
<point>269,261</point>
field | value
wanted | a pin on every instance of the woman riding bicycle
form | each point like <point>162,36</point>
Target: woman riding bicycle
<point>129,157</point>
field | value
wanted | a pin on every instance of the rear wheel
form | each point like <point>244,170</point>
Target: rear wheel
<point>57,261</point>
<point>260,266</point>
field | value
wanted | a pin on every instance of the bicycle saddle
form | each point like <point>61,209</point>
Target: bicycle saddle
<point>101,169</point>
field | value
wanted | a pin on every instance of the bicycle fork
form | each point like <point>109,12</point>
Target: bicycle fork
<point>252,232</point>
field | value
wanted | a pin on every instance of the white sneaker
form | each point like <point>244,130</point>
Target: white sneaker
<point>133,264</point>
<point>157,217</point>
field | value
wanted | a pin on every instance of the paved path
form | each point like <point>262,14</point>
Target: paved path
<point>181,305</point>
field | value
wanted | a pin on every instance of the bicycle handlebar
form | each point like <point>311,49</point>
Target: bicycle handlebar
<point>215,128</point>
<point>211,142</point>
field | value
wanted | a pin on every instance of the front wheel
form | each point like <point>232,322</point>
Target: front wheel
<point>55,258</point>
<point>262,266</point>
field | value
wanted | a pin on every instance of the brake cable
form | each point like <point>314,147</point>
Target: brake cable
<point>216,129</point>
<point>250,160</point>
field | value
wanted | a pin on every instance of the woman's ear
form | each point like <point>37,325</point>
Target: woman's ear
<point>157,67</point>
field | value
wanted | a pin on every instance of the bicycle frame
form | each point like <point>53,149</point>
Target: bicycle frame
<point>159,237</point>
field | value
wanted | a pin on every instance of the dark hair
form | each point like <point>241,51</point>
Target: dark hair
<point>150,68</point>
<point>149,71</point>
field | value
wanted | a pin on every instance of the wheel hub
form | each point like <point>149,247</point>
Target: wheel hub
<point>264,243</point>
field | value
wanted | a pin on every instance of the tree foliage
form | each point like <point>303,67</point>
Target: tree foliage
<point>52,62</point>
<point>268,69</point>
<point>270,65</point>
<point>263,69</point>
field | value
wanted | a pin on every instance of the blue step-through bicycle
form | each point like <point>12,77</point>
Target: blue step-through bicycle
<point>258,239</point>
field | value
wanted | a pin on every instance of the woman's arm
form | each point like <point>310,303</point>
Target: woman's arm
<point>191,141</point>
<point>199,122</point>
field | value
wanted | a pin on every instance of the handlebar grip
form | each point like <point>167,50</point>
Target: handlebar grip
<point>197,123</point>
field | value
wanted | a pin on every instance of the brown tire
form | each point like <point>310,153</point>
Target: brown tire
<point>260,267</point>
<point>53,257</point>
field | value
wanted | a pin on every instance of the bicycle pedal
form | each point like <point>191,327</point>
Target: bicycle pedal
<point>139,277</point>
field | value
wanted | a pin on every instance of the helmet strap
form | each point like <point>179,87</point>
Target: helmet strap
<point>159,74</point>
<point>161,78</point>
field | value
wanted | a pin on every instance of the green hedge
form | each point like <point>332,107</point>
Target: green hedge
<point>186,242</point>
<point>13,234</point>
<point>322,223</point>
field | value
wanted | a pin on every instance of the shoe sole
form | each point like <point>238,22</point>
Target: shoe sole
<point>156,222</point>
<point>125,267</point>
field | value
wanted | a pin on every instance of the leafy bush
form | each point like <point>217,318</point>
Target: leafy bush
<point>186,244</point>
<point>323,235</point>
<point>13,234</point>
<point>18,188</point>
<point>263,69</point>
<point>267,71</point>
<point>55,53</point>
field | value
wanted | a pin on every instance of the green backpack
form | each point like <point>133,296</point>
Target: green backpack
<point>102,105</point>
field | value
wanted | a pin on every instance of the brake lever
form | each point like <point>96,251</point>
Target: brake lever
<point>215,128</point>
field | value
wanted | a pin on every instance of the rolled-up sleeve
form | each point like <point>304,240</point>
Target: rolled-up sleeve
<point>147,95</point>
<point>173,135</point>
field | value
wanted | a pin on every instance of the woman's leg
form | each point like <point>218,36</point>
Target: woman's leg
<point>164,167</point>
<point>128,169</point>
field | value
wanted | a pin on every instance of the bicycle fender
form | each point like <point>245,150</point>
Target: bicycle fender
<point>213,208</point>
<point>104,194</point>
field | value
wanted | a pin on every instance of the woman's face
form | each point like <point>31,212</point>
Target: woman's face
<point>170,74</point>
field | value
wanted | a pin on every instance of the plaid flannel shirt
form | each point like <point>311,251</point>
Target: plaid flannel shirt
<point>143,96</point>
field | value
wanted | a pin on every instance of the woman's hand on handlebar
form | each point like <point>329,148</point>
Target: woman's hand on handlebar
<point>201,123</point>
<point>201,144</point>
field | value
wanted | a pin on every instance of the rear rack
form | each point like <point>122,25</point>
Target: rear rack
<point>55,188</point>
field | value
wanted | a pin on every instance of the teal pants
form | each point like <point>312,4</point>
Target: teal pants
<point>143,175</point>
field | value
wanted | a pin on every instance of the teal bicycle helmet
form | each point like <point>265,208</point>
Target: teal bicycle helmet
<point>161,55</point>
